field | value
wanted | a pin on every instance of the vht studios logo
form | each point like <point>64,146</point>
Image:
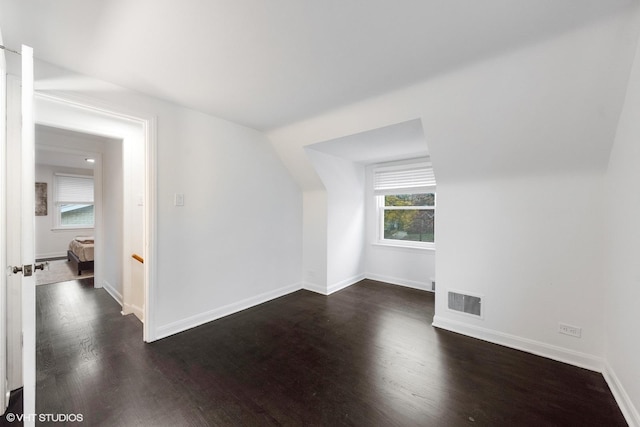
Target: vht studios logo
<point>43,418</point>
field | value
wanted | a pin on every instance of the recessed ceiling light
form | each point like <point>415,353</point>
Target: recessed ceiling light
<point>89,160</point>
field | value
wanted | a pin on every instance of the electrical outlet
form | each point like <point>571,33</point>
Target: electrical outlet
<point>573,331</point>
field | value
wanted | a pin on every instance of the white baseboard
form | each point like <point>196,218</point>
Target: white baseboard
<point>313,287</point>
<point>630,412</point>
<point>112,291</point>
<point>135,310</point>
<point>51,255</point>
<point>344,283</point>
<point>199,319</point>
<point>576,358</point>
<point>333,288</point>
<point>355,279</point>
<point>400,282</point>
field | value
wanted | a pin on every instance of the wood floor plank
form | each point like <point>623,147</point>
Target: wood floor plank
<point>364,356</point>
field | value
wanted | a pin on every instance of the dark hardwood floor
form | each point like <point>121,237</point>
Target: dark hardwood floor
<point>365,356</point>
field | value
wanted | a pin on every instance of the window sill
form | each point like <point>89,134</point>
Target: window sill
<point>401,246</point>
<point>71,228</point>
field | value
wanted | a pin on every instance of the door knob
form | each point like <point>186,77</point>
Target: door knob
<point>28,270</point>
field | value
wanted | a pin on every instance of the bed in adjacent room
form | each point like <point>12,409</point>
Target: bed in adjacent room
<point>80,253</point>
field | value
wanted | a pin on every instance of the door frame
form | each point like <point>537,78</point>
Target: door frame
<point>148,136</point>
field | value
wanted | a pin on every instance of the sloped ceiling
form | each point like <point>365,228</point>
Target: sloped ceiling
<point>266,64</point>
<point>394,142</point>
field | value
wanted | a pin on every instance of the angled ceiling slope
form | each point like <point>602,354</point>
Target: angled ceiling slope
<point>267,64</point>
<point>400,141</point>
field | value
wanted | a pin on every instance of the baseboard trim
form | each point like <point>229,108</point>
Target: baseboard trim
<point>335,287</point>
<point>135,310</point>
<point>345,283</point>
<point>51,256</point>
<point>400,282</point>
<point>355,279</point>
<point>538,348</point>
<point>630,412</point>
<point>113,292</point>
<point>209,316</point>
<point>313,287</point>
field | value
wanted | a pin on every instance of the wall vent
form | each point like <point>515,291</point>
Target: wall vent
<point>468,304</point>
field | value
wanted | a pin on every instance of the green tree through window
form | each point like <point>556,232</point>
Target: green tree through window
<point>409,217</point>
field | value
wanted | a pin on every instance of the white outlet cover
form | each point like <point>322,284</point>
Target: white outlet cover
<point>573,331</point>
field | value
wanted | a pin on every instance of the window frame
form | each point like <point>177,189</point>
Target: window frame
<point>57,204</point>
<point>422,186</point>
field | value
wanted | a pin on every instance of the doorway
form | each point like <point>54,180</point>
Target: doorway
<point>137,138</point>
<point>73,199</point>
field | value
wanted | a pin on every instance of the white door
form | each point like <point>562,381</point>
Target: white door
<point>3,238</point>
<point>20,149</point>
<point>28,238</point>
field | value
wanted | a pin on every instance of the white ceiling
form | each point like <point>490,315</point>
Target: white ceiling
<point>395,142</point>
<point>65,148</point>
<point>270,63</point>
<point>61,159</point>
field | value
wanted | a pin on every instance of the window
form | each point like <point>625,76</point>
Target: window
<point>74,206</point>
<point>406,200</point>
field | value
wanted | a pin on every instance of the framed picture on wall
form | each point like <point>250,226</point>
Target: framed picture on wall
<point>41,199</point>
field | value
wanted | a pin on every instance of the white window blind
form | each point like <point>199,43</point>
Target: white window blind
<point>74,189</point>
<point>407,179</point>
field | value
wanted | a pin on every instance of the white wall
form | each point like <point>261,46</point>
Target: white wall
<point>344,181</point>
<point>237,241</point>
<point>112,196</point>
<point>532,247</point>
<point>52,243</point>
<point>414,268</point>
<point>238,235</point>
<point>622,243</point>
<point>520,140</point>
<point>134,177</point>
<point>314,250</point>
